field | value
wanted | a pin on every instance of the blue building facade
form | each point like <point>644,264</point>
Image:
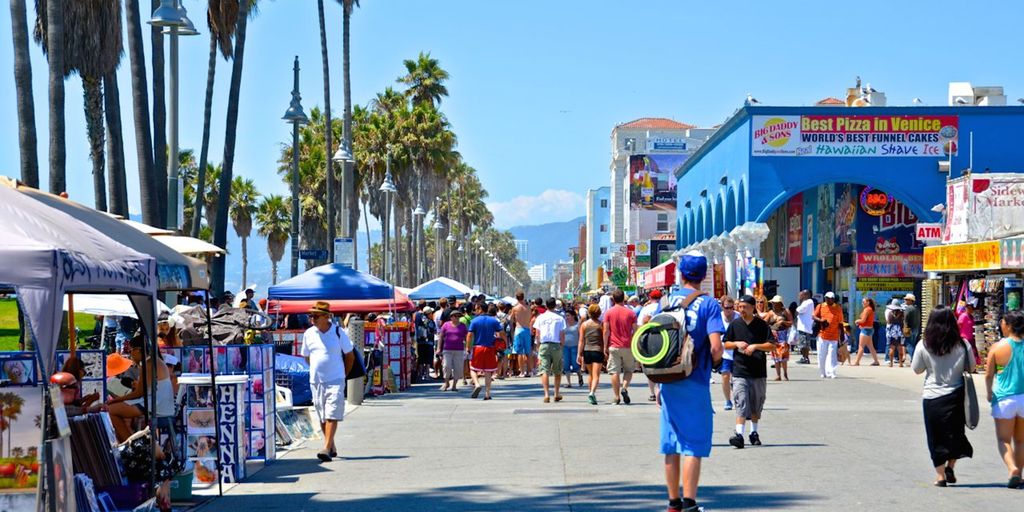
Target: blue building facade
<point>765,163</point>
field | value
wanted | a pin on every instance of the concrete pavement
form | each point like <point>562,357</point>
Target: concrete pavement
<point>855,443</point>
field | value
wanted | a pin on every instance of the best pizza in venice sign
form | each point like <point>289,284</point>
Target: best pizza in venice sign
<point>855,136</point>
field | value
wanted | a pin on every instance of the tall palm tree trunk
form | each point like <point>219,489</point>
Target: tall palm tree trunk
<point>93,96</point>
<point>23,90</point>
<point>245,261</point>
<point>366,223</point>
<point>332,207</point>
<point>116,179</point>
<point>55,60</point>
<point>204,150</point>
<point>348,171</point>
<point>220,231</point>
<point>140,112</point>
<point>159,116</point>
<point>273,271</point>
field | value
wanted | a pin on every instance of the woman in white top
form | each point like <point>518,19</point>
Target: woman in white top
<point>943,361</point>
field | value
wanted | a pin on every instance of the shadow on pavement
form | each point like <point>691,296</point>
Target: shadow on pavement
<point>595,497</point>
<point>377,457</point>
<point>775,445</point>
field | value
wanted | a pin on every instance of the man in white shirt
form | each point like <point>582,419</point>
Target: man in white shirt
<point>550,327</point>
<point>606,303</point>
<point>805,326</point>
<point>328,350</point>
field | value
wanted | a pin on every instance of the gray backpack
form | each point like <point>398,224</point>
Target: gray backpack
<point>663,347</point>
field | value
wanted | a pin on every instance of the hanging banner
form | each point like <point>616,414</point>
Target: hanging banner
<point>845,217</point>
<point>794,211</point>
<point>855,135</point>
<point>928,231</point>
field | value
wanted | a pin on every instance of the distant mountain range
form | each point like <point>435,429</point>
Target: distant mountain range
<point>549,243</point>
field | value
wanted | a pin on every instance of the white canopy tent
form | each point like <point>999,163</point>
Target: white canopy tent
<point>108,305</point>
<point>47,253</point>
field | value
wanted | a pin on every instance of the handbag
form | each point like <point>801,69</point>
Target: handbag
<point>358,369</point>
<point>971,412</point>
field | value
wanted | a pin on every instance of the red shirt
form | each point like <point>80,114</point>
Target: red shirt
<point>620,322</point>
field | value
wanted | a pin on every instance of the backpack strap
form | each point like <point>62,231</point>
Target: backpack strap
<point>686,302</point>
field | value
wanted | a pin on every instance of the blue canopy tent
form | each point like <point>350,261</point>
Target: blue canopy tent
<point>439,288</point>
<point>332,282</point>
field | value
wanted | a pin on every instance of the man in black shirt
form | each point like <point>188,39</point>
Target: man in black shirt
<point>750,337</point>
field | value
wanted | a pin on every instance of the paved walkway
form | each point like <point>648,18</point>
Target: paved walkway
<point>855,443</point>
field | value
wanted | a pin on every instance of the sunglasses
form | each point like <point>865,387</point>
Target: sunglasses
<point>728,308</point>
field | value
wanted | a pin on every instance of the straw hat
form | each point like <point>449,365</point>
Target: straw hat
<point>117,364</point>
<point>321,307</point>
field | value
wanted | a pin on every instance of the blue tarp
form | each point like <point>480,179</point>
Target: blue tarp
<point>439,288</point>
<point>331,282</point>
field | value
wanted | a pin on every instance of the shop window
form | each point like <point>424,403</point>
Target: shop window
<point>604,228</point>
<point>662,222</point>
<point>604,250</point>
<point>604,203</point>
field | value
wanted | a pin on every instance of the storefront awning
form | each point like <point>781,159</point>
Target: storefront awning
<point>661,276</point>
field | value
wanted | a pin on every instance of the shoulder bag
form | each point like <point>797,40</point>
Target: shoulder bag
<point>971,412</point>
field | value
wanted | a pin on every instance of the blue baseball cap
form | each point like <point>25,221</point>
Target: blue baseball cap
<point>693,266</point>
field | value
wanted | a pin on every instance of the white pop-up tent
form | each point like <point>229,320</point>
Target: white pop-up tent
<point>47,253</point>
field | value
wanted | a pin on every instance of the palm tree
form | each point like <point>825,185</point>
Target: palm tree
<point>53,13</point>
<point>329,171</point>
<point>220,229</point>
<point>11,404</point>
<point>348,172</point>
<point>243,204</point>
<point>274,218</point>
<point>23,92</point>
<point>221,18</point>
<point>212,194</point>
<point>425,79</point>
<point>117,181</point>
<point>140,112</point>
<point>92,49</point>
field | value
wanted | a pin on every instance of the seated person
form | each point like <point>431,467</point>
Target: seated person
<point>70,392</point>
<point>124,409</point>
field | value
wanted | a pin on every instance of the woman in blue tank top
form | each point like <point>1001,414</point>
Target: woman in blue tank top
<point>1006,392</point>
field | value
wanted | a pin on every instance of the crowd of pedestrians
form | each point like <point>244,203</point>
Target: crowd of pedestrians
<point>739,338</point>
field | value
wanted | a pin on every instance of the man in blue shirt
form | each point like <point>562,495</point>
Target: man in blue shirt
<point>483,331</point>
<point>686,413</point>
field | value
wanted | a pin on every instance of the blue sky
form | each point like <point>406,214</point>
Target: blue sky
<point>536,86</point>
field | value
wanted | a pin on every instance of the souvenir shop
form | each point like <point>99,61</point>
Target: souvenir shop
<point>984,274</point>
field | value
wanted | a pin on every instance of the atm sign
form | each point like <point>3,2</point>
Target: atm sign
<point>928,232</point>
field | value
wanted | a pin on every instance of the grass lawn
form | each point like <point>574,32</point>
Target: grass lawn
<point>9,324</point>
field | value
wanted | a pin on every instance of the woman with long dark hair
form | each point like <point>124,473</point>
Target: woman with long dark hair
<point>1007,396</point>
<point>943,361</point>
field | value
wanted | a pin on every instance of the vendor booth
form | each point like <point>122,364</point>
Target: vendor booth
<point>46,254</point>
<point>439,288</point>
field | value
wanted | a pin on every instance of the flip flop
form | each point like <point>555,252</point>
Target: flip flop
<point>1014,482</point>
<point>558,398</point>
<point>324,456</point>
<point>476,392</point>
<point>547,400</point>
<point>950,476</point>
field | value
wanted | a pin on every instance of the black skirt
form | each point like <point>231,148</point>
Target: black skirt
<point>944,424</point>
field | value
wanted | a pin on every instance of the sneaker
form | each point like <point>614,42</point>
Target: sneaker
<point>728,405</point>
<point>476,392</point>
<point>592,399</point>
<point>323,456</point>
<point>617,401</point>
<point>625,397</point>
<point>652,398</point>
<point>736,440</point>
<point>755,439</point>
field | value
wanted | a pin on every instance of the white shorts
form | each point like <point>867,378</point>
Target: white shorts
<point>1008,408</point>
<point>329,401</point>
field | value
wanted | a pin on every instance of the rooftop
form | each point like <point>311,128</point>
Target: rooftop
<point>831,101</point>
<point>655,123</point>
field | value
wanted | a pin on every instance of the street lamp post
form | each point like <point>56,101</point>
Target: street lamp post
<point>343,157</point>
<point>172,16</point>
<point>295,116</point>
<point>388,188</point>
